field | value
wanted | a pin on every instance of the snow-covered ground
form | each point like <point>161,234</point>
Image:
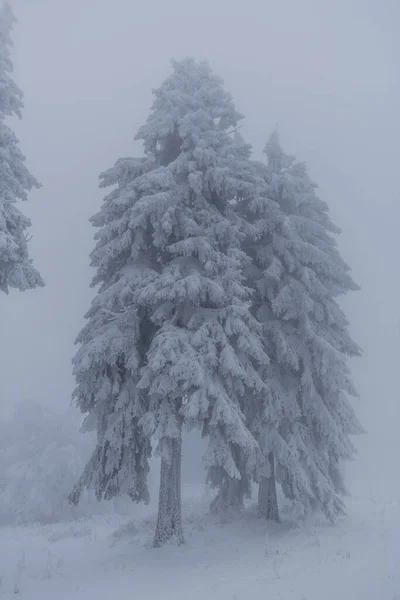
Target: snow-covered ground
<point>111,558</point>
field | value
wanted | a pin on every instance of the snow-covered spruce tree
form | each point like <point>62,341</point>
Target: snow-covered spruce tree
<point>206,351</point>
<point>171,319</point>
<point>308,342</point>
<point>16,269</point>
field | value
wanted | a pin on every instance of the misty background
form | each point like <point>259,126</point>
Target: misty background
<point>326,73</point>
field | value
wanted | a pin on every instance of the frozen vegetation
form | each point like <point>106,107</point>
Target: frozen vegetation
<point>216,313</point>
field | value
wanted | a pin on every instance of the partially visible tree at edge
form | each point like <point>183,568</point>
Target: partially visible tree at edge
<point>16,268</point>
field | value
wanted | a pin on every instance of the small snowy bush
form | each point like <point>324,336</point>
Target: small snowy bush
<point>42,454</point>
<point>41,457</point>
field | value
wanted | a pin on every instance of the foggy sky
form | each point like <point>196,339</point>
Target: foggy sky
<point>325,72</point>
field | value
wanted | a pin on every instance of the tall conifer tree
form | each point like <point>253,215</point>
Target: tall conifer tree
<point>16,269</point>
<point>170,340</point>
<point>306,427</point>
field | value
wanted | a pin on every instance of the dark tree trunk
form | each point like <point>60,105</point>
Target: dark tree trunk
<point>169,519</point>
<point>231,491</point>
<point>267,497</point>
<point>230,496</point>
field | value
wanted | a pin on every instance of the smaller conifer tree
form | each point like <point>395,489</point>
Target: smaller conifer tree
<point>305,427</point>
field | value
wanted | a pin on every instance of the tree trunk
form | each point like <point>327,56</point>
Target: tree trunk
<point>169,519</point>
<point>267,497</point>
<point>231,491</point>
<point>229,496</point>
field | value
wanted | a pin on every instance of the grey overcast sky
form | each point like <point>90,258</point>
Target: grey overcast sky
<point>326,72</point>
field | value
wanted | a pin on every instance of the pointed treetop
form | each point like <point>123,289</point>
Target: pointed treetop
<point>191,102</point>
<point>277,159</point>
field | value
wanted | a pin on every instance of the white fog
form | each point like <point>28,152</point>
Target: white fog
<point>326,75</point>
